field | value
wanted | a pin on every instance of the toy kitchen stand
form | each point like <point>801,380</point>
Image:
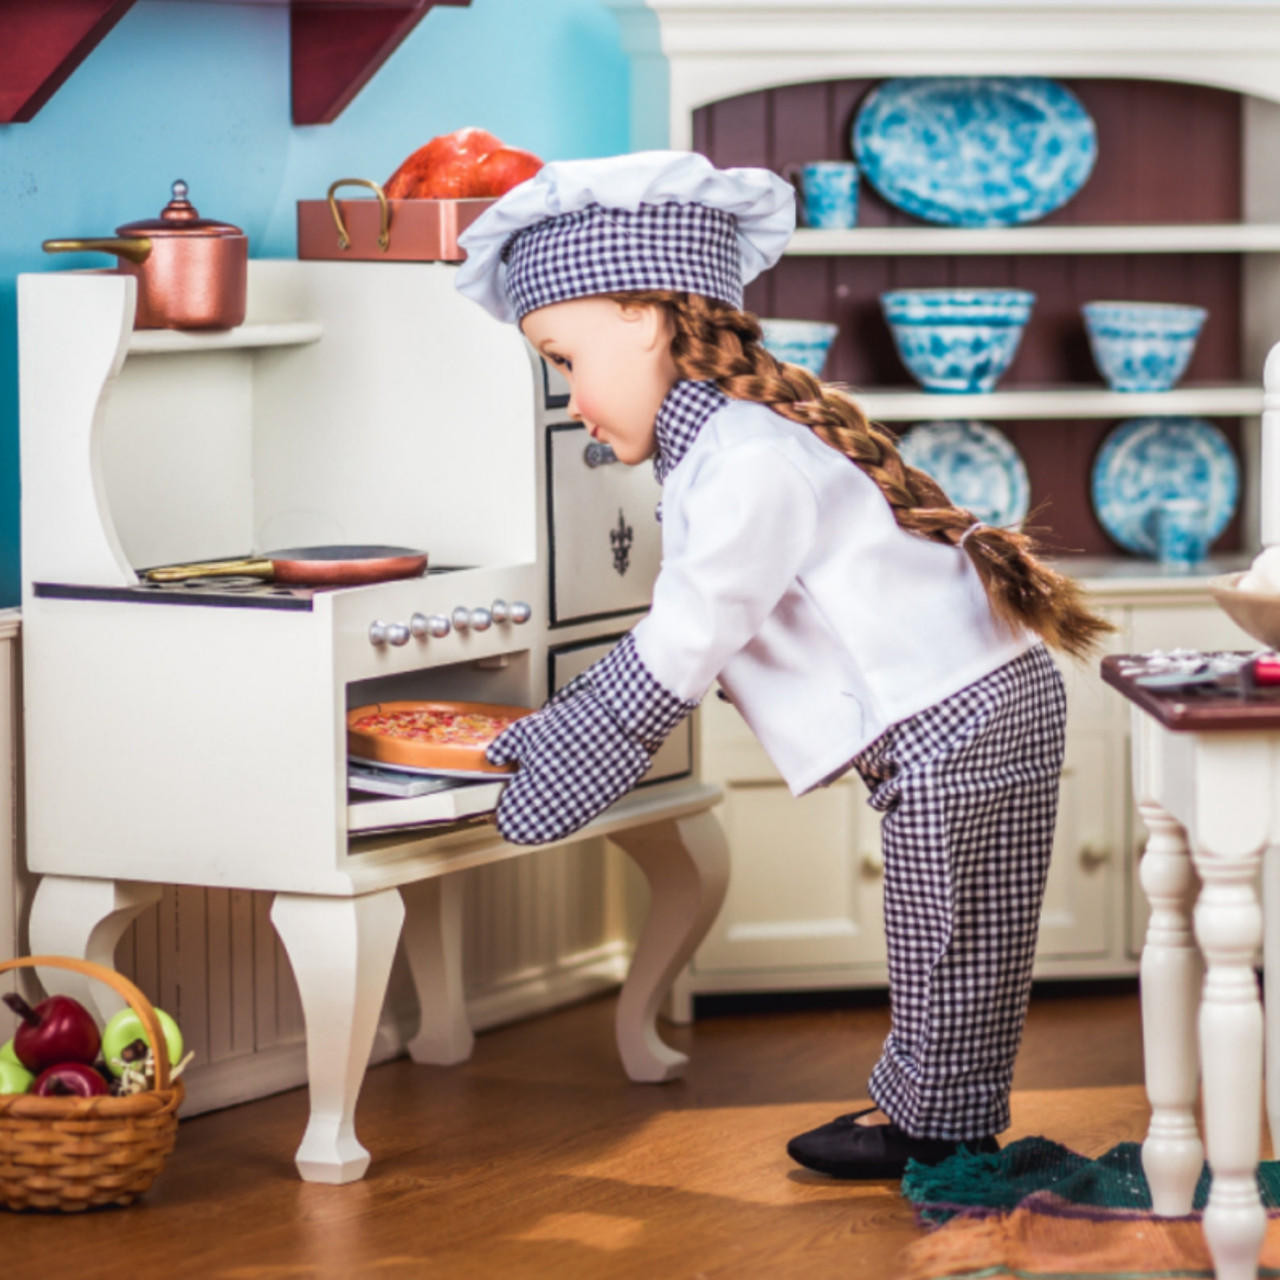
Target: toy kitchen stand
<point>196,735</point>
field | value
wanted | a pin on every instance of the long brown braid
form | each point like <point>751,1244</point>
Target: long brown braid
<point>713,341</point>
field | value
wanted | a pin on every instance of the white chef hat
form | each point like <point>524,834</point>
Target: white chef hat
<point>649,220</point>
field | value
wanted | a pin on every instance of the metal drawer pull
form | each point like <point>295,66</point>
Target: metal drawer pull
<point>599,455</point>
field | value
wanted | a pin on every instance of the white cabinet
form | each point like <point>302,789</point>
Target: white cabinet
<point>804,908</point>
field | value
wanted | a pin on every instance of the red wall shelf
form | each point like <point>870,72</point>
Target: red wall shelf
<point>336,47</point>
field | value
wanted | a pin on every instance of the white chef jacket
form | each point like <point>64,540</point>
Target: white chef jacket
<point>785,575</point>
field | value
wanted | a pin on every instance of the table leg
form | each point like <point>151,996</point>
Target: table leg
<point>1228,923</point>
<point>686,862</point>
<point>85,919</point>
<point>1271,988</point>
<point>341,951</point>
<point>433,946</point>
<point>1172,1155</point>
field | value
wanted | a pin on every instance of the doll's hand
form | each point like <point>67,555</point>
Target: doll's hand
<point>585,749</point>
<point>574,761</point>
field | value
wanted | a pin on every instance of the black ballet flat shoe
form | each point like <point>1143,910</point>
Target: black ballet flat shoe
<point>845,1149</point>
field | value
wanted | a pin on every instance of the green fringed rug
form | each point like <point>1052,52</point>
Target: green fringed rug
<point>1036,1210</point>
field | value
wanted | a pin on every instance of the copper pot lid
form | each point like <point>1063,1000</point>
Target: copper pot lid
<point>179,218</point>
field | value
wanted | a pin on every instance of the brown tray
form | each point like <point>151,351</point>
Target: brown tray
<point>449,757</point>
<point>383,230</point>
<point>1191,710</point>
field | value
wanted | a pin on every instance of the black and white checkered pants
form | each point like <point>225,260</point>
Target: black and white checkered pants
<point>969,792</point>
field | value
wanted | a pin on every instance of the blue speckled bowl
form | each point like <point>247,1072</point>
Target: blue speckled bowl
<point>1142,346</point>
<point>802,342</point>
<point>957,340</point>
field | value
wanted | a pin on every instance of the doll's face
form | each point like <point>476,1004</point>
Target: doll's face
<point>617,360</point>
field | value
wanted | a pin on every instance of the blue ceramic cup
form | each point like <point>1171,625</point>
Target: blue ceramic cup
<point>829,193</point>
<point>1182,531</point>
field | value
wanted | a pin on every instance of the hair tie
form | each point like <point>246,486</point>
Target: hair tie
<point>964,537</point>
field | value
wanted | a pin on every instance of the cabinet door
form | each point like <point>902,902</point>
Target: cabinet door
<point>1087,848</point>
<point>605,542</point>
<point>1089,841</point>
<point>805,883</point>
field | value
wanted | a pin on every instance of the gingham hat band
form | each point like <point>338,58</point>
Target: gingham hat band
<point>688,248</point>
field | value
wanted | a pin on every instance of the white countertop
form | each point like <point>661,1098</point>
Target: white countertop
<point>1136,576</point>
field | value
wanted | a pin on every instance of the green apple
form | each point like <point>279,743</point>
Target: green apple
<point>9,1054</point>
<point>125,1027</point>
<point>14,1077</point>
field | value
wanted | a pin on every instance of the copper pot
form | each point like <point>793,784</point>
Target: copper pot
<point>192,272</point>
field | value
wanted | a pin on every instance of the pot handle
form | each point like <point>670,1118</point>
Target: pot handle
<point>384,234</point>
<point>135,248</point>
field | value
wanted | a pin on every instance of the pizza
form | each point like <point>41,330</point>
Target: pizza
<point>450,736</point>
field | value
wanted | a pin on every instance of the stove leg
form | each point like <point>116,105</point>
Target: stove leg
<point>341,951</point>
<point>85,919</point>
<point>686,862</point>
<point>433,946</point>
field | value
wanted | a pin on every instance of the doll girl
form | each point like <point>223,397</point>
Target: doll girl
<point>853,615</point>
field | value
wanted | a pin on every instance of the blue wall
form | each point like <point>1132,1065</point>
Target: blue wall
<point>201,91</point>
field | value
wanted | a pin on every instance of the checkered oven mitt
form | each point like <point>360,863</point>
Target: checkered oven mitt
<point>587,747</point>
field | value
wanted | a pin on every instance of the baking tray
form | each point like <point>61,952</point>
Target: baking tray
<point>384,230</point>
<point>448,758</point>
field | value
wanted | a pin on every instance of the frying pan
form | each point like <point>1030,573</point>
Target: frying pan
<point>334,566</point>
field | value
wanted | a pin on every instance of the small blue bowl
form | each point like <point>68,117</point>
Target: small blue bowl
<point>802,342</point>
<point>957,340</point>
<point>1142,346</point>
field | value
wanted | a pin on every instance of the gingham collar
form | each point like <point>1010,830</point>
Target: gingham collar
<point>686,407</point>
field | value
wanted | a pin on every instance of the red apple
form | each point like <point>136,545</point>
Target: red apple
<point>443,167</point>
<point>503,169</point>
<point>58,1029</point>
<point>69,1078</point>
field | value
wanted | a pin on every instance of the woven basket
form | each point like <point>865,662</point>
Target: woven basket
<point>72,1153</point>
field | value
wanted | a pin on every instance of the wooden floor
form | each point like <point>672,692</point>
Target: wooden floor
<point>538,1159</point>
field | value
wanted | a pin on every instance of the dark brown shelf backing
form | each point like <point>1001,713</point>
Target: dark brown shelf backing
<point>1167,153</point>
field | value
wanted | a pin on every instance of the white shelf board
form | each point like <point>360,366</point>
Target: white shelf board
<point>1229,237</point>
<point>287,333</point>
<point>1219,400</point>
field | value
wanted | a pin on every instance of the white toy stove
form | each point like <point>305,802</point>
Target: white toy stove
<point>359,403</point>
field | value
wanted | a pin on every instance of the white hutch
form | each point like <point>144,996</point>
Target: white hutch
<point>803,908</point>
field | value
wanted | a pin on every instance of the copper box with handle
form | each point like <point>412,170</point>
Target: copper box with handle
<point>384,230</point>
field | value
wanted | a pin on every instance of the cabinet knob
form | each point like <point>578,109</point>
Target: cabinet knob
<point>598,455</point>
<point>873,863</point>
<point>1092,856</point>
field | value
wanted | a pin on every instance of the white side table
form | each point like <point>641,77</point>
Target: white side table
<point>1206,776</point>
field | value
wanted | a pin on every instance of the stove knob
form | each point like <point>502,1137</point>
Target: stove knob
<point>461,618</point>
<point>397,633</point>
<point>500,611</point>
<point>481,618</point>
<point>377,633</point>
<point>439,626</point>
<point>420,626</point>
<point>520,613</point>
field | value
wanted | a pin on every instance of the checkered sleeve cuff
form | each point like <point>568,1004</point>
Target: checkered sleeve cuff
<point>646,709</point>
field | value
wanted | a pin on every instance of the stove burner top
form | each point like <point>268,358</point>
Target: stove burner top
<point>231,592</point>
